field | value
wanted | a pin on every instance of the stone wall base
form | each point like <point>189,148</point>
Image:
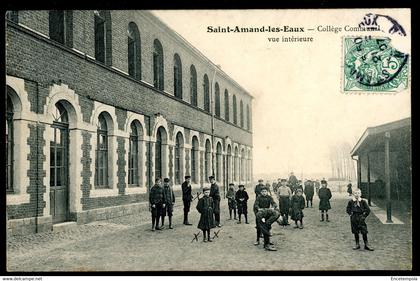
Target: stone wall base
<point>29,225</point>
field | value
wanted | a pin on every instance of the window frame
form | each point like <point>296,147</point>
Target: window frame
<point>102,153</point>
<point>133,156</point>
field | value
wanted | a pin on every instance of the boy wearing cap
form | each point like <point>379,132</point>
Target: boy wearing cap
<point>324,195</point>
<point>205,208</point>
<point>241,197</point>
<point>186,198</point>
<point>215,195</point>
<point>168,201</point>
<point>309,192</point>
<point>284,193</point>
<point>156,203</point>
<point>358,209</point>
<point>297,204</point>
<point>258,187</point>
<point>230,195</point>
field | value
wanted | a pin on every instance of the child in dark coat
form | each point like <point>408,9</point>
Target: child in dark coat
<point>205,208</point>
<point>230,195</point>
<point>358,209</point>
<point>324,195</point>
<point>242,197</point>
<point>297,204</point>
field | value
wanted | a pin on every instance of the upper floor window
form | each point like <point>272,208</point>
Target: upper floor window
<point>177,76</point>
<point>9,145</point>
<point>101,171</point>
<point>206,90</point>
<point>12,16</point>
<point>61,27</point>
<point>226,105</point>
<point>248,118</point>
<point>134,51</point>
<point>217,99</point>
<point>241,113</point>
<point>193,85</point>
<point>235,111</point>
<point>103,37</point>
<point>157,65</point>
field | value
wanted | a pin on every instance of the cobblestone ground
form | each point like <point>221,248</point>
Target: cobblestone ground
<point>127,244</point>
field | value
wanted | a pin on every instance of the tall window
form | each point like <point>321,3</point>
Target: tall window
<point>101,175</point>
<point>177,76</point>
<point>134,51</point>
<point>217,99</point>
<point>9,145</point>
<point>12,15</point>
<point>242,165</point>
<point>103,48</point>
<point>207,159</point>
<point>206,90</point>
<point>194,158</point>
<point>236,165</point>
<point>133,156</point>
<point>157,65</point>
<point>193,85</point>
<point>235,113</point>
<point>248,118</point>
<point>178,165</point>
<point>218,161</point>
<point>226,105</point>
<point>158,155</point>
<point>241,113</point>
<point>60,26</point>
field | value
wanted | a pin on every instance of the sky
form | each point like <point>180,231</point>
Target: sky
<point>299,110</point>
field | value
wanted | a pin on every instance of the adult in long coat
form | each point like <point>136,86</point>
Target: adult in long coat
<point>156,202</point>
<point>309,192</point>
<point>215,195</point>
<point>186,198</point>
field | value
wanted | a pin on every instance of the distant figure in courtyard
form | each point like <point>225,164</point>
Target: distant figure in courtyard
<point>241,197</point>
<point>349,189</point>
<point>258,188</point>
<point>324,195</point>
<point>358,210</point>
<point>266,214</point>
<point>186,198</point>
<point>156,203</point>
<point>268,186</point>
<point>317,187</point>
<point>284,193</point>
<point>205,208</point>
<point>293,182</point>
<point>215,195</point>
<point>276,185</point>
<point>309,192</point>
<point>297,204</point>
<point>230,195</point>
<point>168,202</point>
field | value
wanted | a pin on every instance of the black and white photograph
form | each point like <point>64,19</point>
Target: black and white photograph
<point>198,140</point>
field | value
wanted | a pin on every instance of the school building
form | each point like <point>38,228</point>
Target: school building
<point>384,162</point>
<point>100,103</point>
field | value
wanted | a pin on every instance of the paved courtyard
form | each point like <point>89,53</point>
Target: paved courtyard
<point>127,244</point>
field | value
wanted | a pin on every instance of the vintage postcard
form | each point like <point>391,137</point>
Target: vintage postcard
<point>208,140</point>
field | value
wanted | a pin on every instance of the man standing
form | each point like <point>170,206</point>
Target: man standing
<point>168,201</point>
<point>186,198</point>
<point>215,195</point>
<point>156,203</point>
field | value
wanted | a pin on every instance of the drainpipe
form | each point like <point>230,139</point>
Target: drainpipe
<point>212,120</point>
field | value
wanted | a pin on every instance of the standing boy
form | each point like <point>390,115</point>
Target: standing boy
<point>266,216</point>
<point>230,195</point>
<point>324,195</point>
<point>241,197</point>
<point>309,192</point>
<point>186,198</point>
<point>215,195</point>
<point>284,193</point>
<point>156,203</point>
<point>168,201</point>
<point>205,208</point>
<point>297,204</point>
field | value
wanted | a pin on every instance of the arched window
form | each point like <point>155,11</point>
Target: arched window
<point>177,76</point>
<point>101,171</point>
<point>157,65</point>
<point>9,144</point>
<point>249,166</point>
<point>229,163</point>
<point>61,27</point>
<point>207,159</point>
<point>193,86</point>
<point>236,165</point>
<point>133,156</point>
<point>241,113</point>
<point>218,161</point>
<point>226,105</point>
<point>242,165</point>
<point>248,118</point>
<point>103,37</point>
<point>134,51</point>
<point>206,91</point>
<point>12,16</point>
<point>235,109</point>
<point>194,160</point>
<point>217,99</point>
<point>158,155</point>
<point>179,143</point>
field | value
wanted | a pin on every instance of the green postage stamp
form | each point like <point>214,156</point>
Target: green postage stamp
<point>371,64</point>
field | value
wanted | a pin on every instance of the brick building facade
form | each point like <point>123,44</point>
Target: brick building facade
<point>99,103</point>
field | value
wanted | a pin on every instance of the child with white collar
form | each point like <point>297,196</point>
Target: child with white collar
<point>358,209</point>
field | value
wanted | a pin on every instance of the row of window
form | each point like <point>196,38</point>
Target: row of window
<point>60,30</point>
